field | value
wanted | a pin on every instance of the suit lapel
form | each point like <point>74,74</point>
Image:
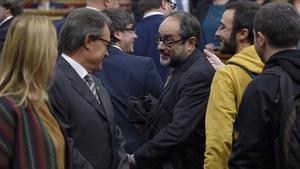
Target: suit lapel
<point>168,88</point>
<point>80,86</point>
<point>104,98</point>
<point>179,70</point>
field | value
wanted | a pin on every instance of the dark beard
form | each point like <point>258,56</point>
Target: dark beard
<point>231,46</point>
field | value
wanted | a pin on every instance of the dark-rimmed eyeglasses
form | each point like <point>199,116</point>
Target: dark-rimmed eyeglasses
<point>168,43</point>
<point>172,4</point>
<point>127,29</point>
<point>106,42</point>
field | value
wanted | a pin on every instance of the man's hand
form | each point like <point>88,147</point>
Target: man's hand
<point>131,161</point>
<point>213,59</point>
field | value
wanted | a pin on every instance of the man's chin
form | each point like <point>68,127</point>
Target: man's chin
<point>164,62</point>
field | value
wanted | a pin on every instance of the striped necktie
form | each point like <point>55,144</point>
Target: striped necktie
<point>92,85</point>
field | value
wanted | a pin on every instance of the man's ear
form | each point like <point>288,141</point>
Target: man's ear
<point>106,3</point>
<point>87,42</point>
<point>261,39</point>
<point>191,43</point>
<point>242,34</point>
<point>117,35</point>
<point>7,12</point>
<point>163,4</point>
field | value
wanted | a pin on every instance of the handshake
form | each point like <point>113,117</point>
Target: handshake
<point>131,161</point>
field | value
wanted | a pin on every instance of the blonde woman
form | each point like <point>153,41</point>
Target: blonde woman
<point>30,136</point>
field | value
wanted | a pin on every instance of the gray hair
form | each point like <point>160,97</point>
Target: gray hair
<point>80,23</point>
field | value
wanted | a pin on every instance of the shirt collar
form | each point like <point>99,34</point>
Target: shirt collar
<point>92,8</point>
<point>117,47</point>
<point>152,13</point>
<point>82,72</point>
<point>9,17</point>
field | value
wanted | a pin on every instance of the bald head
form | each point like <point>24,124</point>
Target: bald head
<point>102,4</point>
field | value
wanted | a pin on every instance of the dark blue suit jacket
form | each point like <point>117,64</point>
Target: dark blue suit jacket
<point>3,31</point>
<point>145,44</point>
<point>125,75</point>
<point>94,138</point>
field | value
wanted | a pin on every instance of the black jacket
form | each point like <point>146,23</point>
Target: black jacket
<point>175,129</point>
<point>257,126</point>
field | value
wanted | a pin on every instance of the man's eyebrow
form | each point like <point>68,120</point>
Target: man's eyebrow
<point>166,36</point>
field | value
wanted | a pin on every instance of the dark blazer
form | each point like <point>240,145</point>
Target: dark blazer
<point>176,127</point>
<point>95,139</point>
<point>145,44</point>
<point>3,31</point>
<point>125,75</point>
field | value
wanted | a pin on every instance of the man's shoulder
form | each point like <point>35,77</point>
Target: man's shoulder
<point>151,22</point>
<point>267,83</point>
<point>199,71</point>
<point>201,64</point>
<point>138,59</point>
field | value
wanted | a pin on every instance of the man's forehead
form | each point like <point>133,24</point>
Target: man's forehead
<point>169,26</point>
<point>227,18</point>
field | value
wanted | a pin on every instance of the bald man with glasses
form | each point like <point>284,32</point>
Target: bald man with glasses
<point>175,127</point>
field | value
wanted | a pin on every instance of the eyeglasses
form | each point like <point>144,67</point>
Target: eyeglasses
<point>168,43</point>
<point>127,29</point>
<point>107,43</point>
<point>172,4</point>
<point>222,28</point>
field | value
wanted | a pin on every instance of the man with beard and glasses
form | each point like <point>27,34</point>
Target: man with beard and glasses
<point>258,125</point>
<point>175,128</point>
<point>236,37</point>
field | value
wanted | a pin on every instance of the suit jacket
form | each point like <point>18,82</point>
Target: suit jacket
<point>95,139</point>
<point>3,31</point>
<point>176,127</point>
<point>125,75</point>
<point>145,44</point>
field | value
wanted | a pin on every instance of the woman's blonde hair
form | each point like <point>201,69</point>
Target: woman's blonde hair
<point>28,58</point>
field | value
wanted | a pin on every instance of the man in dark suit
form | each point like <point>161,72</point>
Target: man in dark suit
<point>126,75</point>
<point>81,102</point>
<point>8,10</point>
<point>176,126</point>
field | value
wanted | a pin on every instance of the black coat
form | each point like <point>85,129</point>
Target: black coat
<point>257,125</point>
<point>176,127</point>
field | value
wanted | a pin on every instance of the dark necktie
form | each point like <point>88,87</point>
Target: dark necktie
<point>170,74</point>
<point>92,85</point>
